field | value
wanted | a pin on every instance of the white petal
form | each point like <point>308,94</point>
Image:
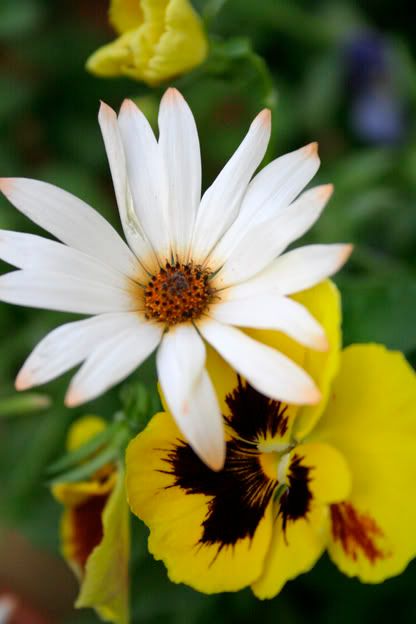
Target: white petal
<point>266,240</point>
<point>112,361</point>
<point>71,220</point>
<point>221,202</point>
<point>267,370</point>
<point>56,291</point>
<point>68,345</point>
<point>115,153</point>
<point>277,185</point>
<point>28,251</point>
<point>147,177</point>
<point>296,270</point>
<point>272,312</point>
<point>179,144</point>
<point>189,393</point>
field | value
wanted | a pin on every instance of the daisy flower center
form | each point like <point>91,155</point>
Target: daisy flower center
<point>178,293</point>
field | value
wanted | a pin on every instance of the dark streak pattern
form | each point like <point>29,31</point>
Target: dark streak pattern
<point>241,492</point>
<point>295,501</point>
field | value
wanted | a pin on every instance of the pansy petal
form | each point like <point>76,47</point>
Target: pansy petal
<point>267,370</point>
<point>71,220</point>
<point>147,176</point>
<point>189,393</point>
<point>328,475</point>
<point>221,202</point>
<point>28,251</point>
<point>105,586</point>
<point>179,144</point>
<point>112,361</point>
<point>371,419</point>
<point>68,345</point>
<point>115,153</point>
<point>293,551</point>
<point>272,312</point>
<point>66,293</point>
<point>176,516</point>
<point>323,302</point>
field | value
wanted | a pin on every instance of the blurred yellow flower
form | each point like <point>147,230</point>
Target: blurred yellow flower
<point>296,480</point>
<point>95,531</point>
<point>158,40</point>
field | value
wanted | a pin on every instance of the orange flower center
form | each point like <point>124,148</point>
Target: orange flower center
<point>178,293</point>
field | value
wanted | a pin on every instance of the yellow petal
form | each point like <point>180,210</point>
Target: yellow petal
<point>105,583</point>
<point>169,41</point>
<point>329,475</point>
<point>323,302</point>
<point>125,15</point>
<point>293,551</point>
<point>176,517</point>
<point>182,46</point>
<point>371,419</point>
<point>83,429</point>
<point>70,494</point>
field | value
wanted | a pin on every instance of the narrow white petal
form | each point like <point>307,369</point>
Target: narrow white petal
<point>272,312</point>
<point>57,291</point>
<point>71,220</point>
<point>112,361</point>
<point>296,270</point>
<point>179,144</point>
<point>266,240</point>
<point>278,184</point>
<point>115,153</point>
<point>267,370</point>
<point>28,251</point>
<point>221,202</point>
<point>68,345</point>
<point>189,393</point>
<point>147,177</point>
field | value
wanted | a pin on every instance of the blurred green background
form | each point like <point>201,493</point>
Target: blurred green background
<point>344,73</point>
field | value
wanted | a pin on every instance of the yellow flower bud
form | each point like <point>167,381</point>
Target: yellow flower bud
<point>158,40</point>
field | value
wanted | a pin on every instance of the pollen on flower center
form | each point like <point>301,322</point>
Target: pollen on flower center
<point>178,293</point>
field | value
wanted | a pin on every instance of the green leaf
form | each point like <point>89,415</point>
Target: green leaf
<point>23,404</point>
<point>85,470</point>
<point>80,454</point>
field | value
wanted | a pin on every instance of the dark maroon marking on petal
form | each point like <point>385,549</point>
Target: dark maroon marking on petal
<point>240,492</point>
<point>356,532</point>
<point>296,500</point>
<point>254,415</point>
<point>87,527</point>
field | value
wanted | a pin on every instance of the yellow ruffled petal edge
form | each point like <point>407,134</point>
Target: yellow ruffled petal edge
<point>371,419</point>
<point>125,15</point>
<point>293,551</point>
<point>296,548</point>
<point>105,585</point>
<point>169,41</point>
<point>175,518</point>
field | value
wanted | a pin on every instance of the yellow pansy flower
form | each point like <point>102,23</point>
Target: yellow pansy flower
<point>95,531</point>
<point>296,481</point>
<point>158,40</point>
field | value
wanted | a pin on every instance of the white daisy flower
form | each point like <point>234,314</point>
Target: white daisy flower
<point>193,271</point>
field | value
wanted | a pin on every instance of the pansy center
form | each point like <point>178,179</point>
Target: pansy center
<point>178,293</point>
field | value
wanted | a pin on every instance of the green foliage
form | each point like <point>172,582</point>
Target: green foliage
<point>287,55</point>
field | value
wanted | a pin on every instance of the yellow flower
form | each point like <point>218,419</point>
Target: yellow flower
<point>158,40</point>
<point>296,480</point>
<point>95,531</point>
